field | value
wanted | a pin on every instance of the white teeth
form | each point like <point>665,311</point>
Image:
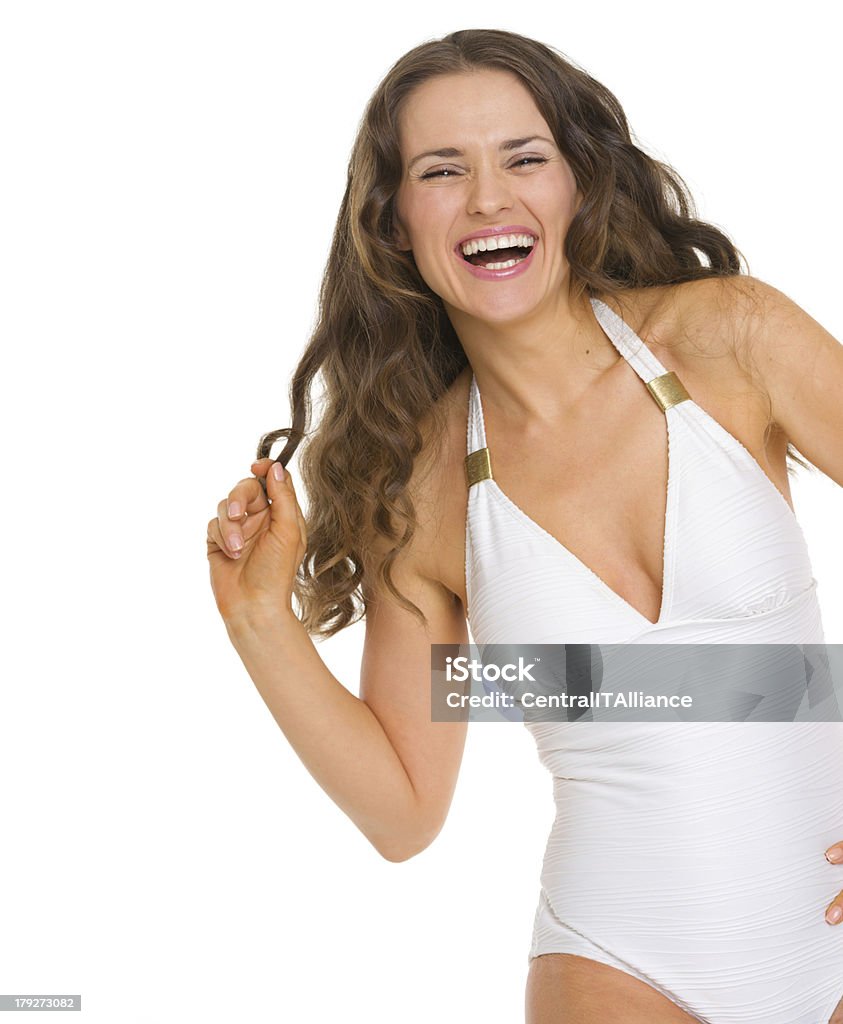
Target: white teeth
<point>503,266</point>
<point>497,242</point>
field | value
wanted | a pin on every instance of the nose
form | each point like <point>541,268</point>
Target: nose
<point>490,191</point>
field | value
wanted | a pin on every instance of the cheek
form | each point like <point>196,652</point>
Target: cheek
<point>429,219</point>
<point>561,195</point>
<point>410,220</point>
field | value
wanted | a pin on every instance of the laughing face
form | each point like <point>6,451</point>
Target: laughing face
<point>486,197</point>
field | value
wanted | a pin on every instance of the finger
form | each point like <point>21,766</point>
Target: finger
<point>216,542</point>
<point>247,496</point>
<point>288,478</point>
<point>264,466</point>
<point>231,538</point>
<point>261,468</point>
<point>231,535</point>
<point>245,499</point>
<point>302,523</point>
<point>284,510</point>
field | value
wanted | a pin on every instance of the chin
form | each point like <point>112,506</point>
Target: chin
<point>502,310</point>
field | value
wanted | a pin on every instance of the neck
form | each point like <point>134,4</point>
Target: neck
<point>536,368</point>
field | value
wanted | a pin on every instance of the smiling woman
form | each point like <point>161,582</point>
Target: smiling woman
<point>502,236</point>
<point>440,180</point>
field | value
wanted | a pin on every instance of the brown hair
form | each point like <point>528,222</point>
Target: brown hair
<point>383,342</point>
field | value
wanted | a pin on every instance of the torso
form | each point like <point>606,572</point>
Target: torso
<point>602,491</point>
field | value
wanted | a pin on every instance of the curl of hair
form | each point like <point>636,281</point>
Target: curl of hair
<point>383,343</point>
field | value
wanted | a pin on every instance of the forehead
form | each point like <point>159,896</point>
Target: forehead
<point>479,106</point>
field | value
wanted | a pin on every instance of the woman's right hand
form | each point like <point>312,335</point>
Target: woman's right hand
<point>258,576</point>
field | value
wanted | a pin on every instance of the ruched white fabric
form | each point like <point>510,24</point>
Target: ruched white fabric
<point>690,855</point>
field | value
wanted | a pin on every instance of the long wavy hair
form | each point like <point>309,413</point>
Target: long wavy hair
<point>385,347</point>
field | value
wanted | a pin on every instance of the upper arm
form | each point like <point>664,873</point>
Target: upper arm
<point>395,682</point>
<point>801,368</point>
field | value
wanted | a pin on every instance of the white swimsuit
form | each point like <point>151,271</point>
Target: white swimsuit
<point>690,855</point>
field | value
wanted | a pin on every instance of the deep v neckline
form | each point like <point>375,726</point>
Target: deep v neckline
<point>652,370</point>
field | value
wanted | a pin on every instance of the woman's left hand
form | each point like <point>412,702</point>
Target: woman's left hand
<point>834,911</point>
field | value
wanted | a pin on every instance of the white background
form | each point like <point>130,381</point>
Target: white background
<point>169,182</point>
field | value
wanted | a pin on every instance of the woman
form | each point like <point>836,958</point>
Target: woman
<point>502,236</point>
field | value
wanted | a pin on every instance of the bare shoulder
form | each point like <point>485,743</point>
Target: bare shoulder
<point>716,317</point>
<point>705,318</point>
<point>745,323</point>
<point>756,361</point>
<point>704,330</point>
<point>798,365</point>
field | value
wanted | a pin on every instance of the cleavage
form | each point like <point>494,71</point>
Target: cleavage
<point>601,494</point>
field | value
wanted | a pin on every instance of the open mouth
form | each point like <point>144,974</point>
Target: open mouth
<point>497,253</point>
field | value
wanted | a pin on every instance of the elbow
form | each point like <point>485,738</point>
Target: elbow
<point>397,853</point>
<point>397,850</point>
<point>397,856</point>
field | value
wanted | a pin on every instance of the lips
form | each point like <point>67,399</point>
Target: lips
<point>497,253</point>
<point>485,274</point>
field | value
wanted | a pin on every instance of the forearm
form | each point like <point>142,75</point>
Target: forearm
<point>335,734</point>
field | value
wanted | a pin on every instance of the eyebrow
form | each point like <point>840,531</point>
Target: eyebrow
<point>504,147</point>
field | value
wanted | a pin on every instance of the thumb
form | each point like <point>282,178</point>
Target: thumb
<point>266,472</point>
<point>282,497</point>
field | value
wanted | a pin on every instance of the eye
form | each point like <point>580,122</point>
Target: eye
<point>441,173</point>
<point>522,160</point>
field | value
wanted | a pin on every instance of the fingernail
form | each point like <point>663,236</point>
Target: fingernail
<point>278,471</point>
<point>834,915</point>
<point>234,510</point>
<point>234,542</point>
<point>834,855</point>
